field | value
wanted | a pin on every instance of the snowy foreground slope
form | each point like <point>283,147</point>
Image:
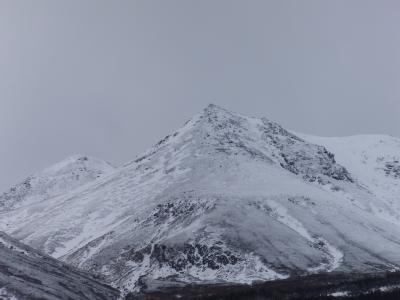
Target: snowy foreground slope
<point>226,198</point>
<point>28,274</point>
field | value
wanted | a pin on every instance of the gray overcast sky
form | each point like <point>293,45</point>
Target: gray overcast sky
<point>110,78</point>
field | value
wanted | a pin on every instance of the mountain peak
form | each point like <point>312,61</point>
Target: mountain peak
<point>217,114</point>
<point>61,177</point>
<point>220,132</point>
<point>213,106</point>
<point>213,109</point>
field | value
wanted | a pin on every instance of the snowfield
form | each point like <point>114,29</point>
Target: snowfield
<point>226,198</point>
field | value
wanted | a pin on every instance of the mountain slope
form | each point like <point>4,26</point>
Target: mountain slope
<point>226,198</point>
<point>375,161</point>
<point>27,274</point>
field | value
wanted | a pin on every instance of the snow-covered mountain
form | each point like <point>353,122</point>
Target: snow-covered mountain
<point>62,177</point>
<point>226,198</point>
<point>28,274</point>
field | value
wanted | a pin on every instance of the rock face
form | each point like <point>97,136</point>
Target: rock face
<point>226,198</point>
<point>28,274</point>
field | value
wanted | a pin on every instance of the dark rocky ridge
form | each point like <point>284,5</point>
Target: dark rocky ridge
<point>28,274</point>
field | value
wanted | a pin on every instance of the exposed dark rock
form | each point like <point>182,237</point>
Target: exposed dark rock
<point>180,257</point>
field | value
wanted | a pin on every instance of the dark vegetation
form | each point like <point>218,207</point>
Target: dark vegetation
<point>315,287</point>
